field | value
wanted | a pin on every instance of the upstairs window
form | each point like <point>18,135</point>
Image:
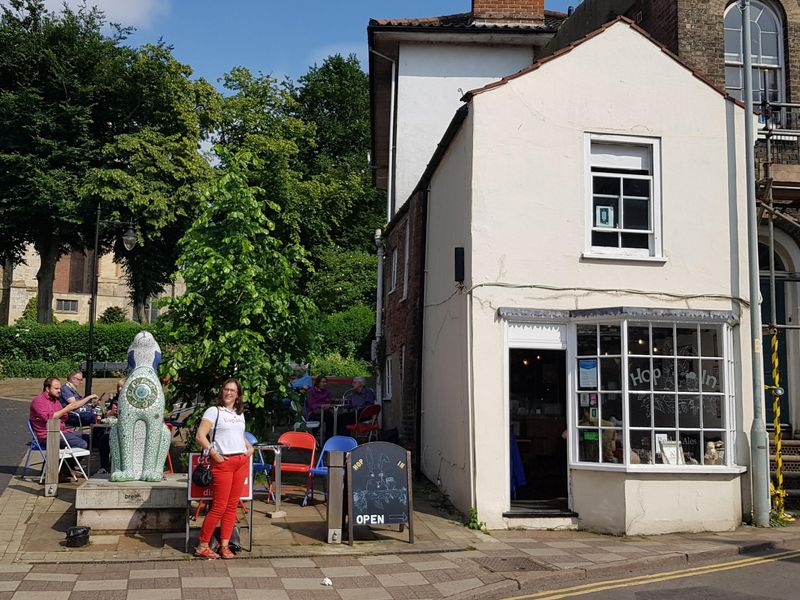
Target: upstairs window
<point>766,49</point>
<point>624,197</point>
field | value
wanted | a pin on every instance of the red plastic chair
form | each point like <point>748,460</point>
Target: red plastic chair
<point>366,423</point>
<point>168,465</point>
<point>298,440</point>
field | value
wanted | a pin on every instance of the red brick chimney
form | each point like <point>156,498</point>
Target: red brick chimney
<point>517,12</point>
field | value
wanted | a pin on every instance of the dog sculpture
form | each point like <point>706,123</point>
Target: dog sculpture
<point>140,440</point>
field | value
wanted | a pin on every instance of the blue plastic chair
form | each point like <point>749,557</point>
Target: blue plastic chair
<point>337,443</point>
<point>259,464</point>
<point>33,445</point>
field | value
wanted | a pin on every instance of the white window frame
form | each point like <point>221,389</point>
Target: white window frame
<point>406,257</point>
<point>655,252</point>
<point>64,301</point>
<point>779,69</point>
<point>728,394</point>
<point>393,277</point>
<point>387,378</point>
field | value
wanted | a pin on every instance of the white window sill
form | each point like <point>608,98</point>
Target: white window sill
<point>661,469</point>
<point>627,258</point>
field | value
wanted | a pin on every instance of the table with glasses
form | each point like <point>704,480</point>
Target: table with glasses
<point>336,407</point>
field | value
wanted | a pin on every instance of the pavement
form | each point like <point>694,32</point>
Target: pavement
<point>289,560</point>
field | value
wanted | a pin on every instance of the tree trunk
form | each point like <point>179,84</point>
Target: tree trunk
<point>5,298</point>
<point>140,312</point>
<point>49,252</point>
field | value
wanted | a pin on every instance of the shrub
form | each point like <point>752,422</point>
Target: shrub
<point>37,368</point>
<point>31,312</point>
<point>348,333</point>
<point>336,365</point>
<point>113,314</point>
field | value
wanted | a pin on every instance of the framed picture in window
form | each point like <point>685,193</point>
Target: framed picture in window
<point>604,216</point>
<point>671,453</point>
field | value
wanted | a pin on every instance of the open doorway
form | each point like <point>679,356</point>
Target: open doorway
<point>538,421</point>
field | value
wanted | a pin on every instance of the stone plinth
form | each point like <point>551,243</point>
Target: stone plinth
<point>105,505</point>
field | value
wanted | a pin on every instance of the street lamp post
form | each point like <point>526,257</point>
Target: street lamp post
<point>129,241</point>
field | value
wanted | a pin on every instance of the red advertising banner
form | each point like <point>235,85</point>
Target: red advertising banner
<point>207,493</point>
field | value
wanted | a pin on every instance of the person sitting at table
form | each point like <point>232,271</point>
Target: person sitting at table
<point>359,397</point>
<point>112,406</point>
<point>317,396</point>
<point>84,413</point>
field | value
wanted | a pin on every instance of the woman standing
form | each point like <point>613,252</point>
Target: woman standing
<point>230,465</point>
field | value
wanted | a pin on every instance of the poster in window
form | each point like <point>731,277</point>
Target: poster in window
<point>587,373</point>
<point>671,452</point>
<point>604,217</point>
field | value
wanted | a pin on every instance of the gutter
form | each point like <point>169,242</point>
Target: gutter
<point>392,146</point>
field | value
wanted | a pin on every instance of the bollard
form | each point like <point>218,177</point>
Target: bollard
<point>335,496</point>
<point>52,452</point>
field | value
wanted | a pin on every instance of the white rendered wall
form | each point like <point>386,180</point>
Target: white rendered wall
<point>432,78</point>
<point>529,216</point>
<point>446,425</point>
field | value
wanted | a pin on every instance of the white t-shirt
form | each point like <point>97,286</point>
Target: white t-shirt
<point>229,438</point>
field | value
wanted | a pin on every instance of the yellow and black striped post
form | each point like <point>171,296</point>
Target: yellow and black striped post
<point>776,488</point>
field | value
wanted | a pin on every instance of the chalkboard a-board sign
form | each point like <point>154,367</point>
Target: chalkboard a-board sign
<point>379,487</point>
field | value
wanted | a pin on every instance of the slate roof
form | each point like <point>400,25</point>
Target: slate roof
<point>552,21</point>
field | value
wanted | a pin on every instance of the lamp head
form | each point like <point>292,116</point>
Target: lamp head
<point>129,239</point>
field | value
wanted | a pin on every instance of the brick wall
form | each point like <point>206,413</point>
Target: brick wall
<point>525,11</point>
<point>401,317</point>
<point>659,18</point>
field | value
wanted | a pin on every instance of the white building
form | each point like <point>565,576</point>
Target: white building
<point>602,216</point>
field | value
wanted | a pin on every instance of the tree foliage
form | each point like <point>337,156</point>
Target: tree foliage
<point>241,315</point>
<point>343,279</point>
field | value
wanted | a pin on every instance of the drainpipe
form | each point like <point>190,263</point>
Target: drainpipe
<point>390,169</point>
<point>379,319</point>
<point>759,470</point>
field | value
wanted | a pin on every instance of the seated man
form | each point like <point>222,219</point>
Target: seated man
<point>47,405</point>
<point>84,415</point>
<point>359,396</point>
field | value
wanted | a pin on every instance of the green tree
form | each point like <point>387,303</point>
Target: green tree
<point>343,279</point>
<point>241,314</point>
<point>87,121</point>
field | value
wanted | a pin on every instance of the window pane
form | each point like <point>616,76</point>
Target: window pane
<point>605,240</point>
<point>635,240</point>
<point>691,444</point>
<point>587,374</point>
<point>668,436</point>
<point>639,376</point>
<point>733,44</point>
<point>642,447</point>
<point>606,185</point>
<point>589,445</point>
<point>769,48</point>
<point>664,374</point>
<point>587,340</point>
<point>689,412</point>
<point>733,77</point>
<point>709,343</point>
<point>713,407</point>
<point>664,410</point>
<point>636,187</point>
<point>714,449</point>
<point>638,339</point>
<point>636,214</point>
<point>612,445</point>
<point>611,374</point>
<point>712,376</point>
<point>688,375</point>
<point>606,212</point>
<point>610,339</point>
<point>611,409</point>
<point>662,341</point>
<point>639,409</point>
<point>686,339</point>
<point>587,409</point>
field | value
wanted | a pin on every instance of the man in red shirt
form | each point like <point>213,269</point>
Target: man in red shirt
<point>47,405</point>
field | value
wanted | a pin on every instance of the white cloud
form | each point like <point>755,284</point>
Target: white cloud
<point>345,49</point>
<point>133,13</point>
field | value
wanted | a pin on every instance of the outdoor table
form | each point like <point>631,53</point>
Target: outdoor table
<point>336,407</point>
<point>92,427</point>
<point>276,450</point>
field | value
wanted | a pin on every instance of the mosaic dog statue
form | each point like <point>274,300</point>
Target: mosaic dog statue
<point>140,440</point>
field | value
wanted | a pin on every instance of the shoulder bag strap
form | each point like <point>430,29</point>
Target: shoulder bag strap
<point>214,431</point>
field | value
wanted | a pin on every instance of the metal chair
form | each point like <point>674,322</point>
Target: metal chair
<point>33,445</point>
<point>64,454</point>
<point>298,440</point>
<point>259,464</point>
<point>337,443</point>
<point>366,423</point>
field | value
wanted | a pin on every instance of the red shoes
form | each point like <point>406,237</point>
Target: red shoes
<point>226,552</point>
<point>206,553</point>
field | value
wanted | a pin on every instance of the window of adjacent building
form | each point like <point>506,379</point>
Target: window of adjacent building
<point>387,378</point>
<point>406,257</point>
<point>653,393</point>
<point>393,274</point>
<point>766,48</point>
<point>624,192</point>
<point>70,306</point>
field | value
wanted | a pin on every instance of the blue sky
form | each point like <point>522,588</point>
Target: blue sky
<point>272,36</point>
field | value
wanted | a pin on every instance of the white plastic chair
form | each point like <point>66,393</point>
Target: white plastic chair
<point>66,453</point>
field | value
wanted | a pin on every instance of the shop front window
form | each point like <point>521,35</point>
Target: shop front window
<point>651,393</point>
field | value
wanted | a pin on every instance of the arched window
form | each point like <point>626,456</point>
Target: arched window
<point>767,51</point>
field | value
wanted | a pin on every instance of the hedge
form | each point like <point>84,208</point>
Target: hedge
<point>336,365</point>
<point>53,343</point>
<point>37,368</point>
<point>349,332</point>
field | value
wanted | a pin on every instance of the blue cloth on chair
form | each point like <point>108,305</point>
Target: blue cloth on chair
<point>517,468</point>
